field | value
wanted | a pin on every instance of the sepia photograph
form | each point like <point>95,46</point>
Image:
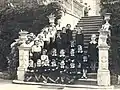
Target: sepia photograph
<point>59,44</point>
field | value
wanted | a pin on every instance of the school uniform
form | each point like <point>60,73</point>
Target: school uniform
<point>58,43</point>
<point>61,62</point>
<point>79,57</point>
<point>31,65</point>
<point>39,66</point>
<point>72,62</point>
<point>53,62</point>
<point>79,39</point>
<point>85,64</point>
<point>69,35</point>
<point>93,52</point>
<point>93,55</point>
<point>72,44</point>
<point>46,39</point>
<point>36,51</point>
<point>64,40</point>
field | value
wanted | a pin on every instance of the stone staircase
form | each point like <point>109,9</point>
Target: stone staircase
<point>90,25</point>
<point>91,80</point>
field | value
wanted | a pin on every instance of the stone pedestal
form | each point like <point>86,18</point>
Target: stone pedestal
<point>23,62</point>
<point>103,75</point>
<point>20,73</point>
<point>103,78</point>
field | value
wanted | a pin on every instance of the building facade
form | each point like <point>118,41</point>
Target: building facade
<point>75,10</point>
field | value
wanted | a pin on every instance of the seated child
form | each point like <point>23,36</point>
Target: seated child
<point>45,65</point>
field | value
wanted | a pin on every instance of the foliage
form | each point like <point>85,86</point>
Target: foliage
<point>113,7</point>
<point>31,19</point>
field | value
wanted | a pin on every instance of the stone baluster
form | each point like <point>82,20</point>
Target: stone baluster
<point>23,56</point>
<point>103,75</point>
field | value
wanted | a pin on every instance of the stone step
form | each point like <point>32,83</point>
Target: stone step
<point>89,25</point>
<point>77,86</point>
<point>90,20</point>
<point>89,35</point>
<point>86,40</point>
<point>91,32</point>
<point>92,17</point>
<point>91,29</point>
<point>86,82</point>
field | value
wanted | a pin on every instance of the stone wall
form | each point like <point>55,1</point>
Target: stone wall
<point>74,11</point>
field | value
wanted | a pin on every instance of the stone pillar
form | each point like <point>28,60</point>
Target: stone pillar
<point>23,62</point>
<point>103,75</point>
<point>23,55</point>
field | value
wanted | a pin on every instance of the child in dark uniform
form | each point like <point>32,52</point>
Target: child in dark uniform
<point>62,69</point>
<point>62,58</point>
<point>53,76</point>
<point>72,66</point>
<point>93,52</point>
<point>45,63</point>
<point>72,62</point>
<point>84,66</point>
<point>69,33</point>
<point>64,38</point>
<point>36,51</point>
<point>79,56</point>
<point>58,41</point>
<point>72,44</point>
<point>29,74</point>
<point>79,37</point>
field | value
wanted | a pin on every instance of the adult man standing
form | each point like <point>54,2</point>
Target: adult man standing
<point>69,33</point>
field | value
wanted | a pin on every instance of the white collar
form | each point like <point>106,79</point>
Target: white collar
<point>93,42</point>
<point>62,55</point>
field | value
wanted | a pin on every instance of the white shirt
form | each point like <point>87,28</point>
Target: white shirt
<point>31,63</point>
<point>62,64</point>
<point>36,48</point>
<point>45,60</point>
<point>39,63</point>
<point>41,43</point>
<point>46,37</point>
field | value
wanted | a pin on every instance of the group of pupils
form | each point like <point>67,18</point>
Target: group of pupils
<point>62,61</point>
